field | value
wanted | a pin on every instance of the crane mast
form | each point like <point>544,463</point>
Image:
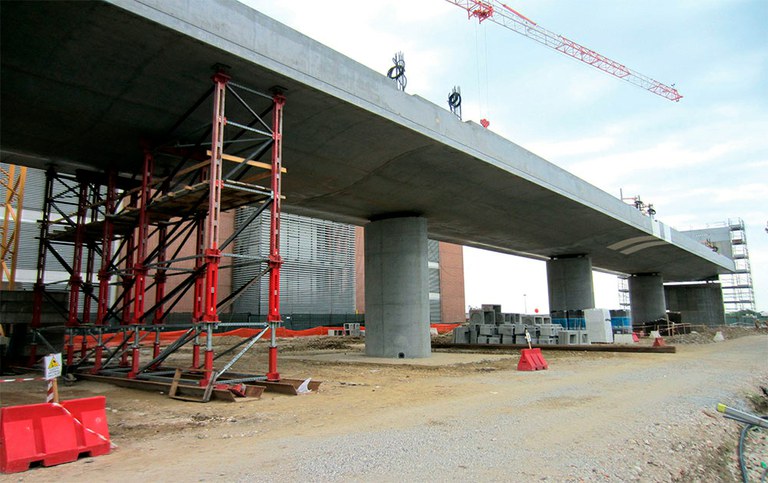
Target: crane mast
<point>507,17</point>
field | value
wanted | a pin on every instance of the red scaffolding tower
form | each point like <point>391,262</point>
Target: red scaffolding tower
<point>135,226</point>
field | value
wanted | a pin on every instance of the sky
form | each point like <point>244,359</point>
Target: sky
<point>698,161</point>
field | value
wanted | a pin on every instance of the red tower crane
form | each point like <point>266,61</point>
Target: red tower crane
<point>507,17</point>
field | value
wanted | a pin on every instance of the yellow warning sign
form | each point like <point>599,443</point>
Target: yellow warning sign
<point>52,366</point>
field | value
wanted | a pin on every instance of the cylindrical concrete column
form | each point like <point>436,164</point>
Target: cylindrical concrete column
<point>646,297</point>
<point>397,288</point>
<point>569,282</point>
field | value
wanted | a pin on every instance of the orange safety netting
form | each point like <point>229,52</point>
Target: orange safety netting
<point>148,338</point>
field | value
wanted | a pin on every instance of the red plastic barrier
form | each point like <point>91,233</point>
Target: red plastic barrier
<point>531,360</point>
<point>52,433</point>
<point>658,342</point>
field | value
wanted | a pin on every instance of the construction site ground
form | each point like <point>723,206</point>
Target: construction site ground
<point>454,417</point>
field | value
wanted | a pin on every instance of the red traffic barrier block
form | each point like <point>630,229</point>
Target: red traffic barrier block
<point>635,338</point>
<point>531,360</point>
<point>52,433</point>
<point>658,342</point>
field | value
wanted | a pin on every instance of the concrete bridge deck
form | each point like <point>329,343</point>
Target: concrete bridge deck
<point>83,82</point>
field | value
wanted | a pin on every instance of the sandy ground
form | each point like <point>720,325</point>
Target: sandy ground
<point>590,417</point>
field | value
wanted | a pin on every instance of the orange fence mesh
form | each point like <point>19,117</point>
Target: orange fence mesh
<point>148,338</point>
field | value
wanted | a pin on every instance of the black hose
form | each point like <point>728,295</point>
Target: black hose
<point>742,464</point>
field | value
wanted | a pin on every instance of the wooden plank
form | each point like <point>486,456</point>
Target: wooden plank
<point>249,162</point>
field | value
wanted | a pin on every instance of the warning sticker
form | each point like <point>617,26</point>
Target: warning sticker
<point>52,366</point>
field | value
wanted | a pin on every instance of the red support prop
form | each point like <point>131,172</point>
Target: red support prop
<point>75,279</point>
<point>106,253</point>
<point>275,260</point>
<point>160,273</point>
<point>140,271</point>
<point>212,252</point>
<point>207,368</point>
<point>128,276</point>
<point>196,355</point>
<point>197,303</point>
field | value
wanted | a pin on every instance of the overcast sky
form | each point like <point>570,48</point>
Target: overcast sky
<point>701,160</point>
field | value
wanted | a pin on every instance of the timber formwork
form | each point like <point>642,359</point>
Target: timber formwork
<point>127,231</point>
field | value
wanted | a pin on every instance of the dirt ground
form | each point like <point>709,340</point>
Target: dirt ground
<point>590,417</point>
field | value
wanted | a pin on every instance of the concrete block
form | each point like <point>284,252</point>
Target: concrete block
<point>482,339</point>
<point>623,339</point>
<point>476,316</point>
<point>516,318</point>
<point>598,325</point>
<point>494,340</point>
<point>567,337</point>
<point>489,317</point>
<point>461,335</point>
<point>549,330</point>
<point>489,330</point>
<point>528,319</point>
<point>519,329</point>
<point>507,339</point>
<point>507,329</point>
<point>492,308</point>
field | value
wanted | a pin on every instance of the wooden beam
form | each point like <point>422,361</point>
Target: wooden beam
<point>249,162</point>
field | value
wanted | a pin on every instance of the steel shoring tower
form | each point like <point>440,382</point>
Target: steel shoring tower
<point>136,227</point>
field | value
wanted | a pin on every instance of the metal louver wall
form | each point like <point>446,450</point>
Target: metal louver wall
<point>318,274</point>
<point>433,258</point>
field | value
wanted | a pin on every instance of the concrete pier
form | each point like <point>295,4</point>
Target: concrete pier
<point>569,282</point>
<point>646,296</point>
<point>397,288</point>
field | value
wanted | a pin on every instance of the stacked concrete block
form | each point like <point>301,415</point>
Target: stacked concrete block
<point>488,325</point>
<point>528,319</point>
<point>476,317</point>
<point>567,337</point>
<point>507,339</point>
<point>491,308</point>
<point>352,329</point>
<point>549,330</point>
<point>461,335</point>
<point>489,318</point>
<point>515,318</point>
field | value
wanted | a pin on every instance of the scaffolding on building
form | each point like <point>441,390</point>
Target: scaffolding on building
<point>738,291</point>
<point>127,234</point>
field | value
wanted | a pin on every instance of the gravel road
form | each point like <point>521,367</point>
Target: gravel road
<point>591,417</point>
